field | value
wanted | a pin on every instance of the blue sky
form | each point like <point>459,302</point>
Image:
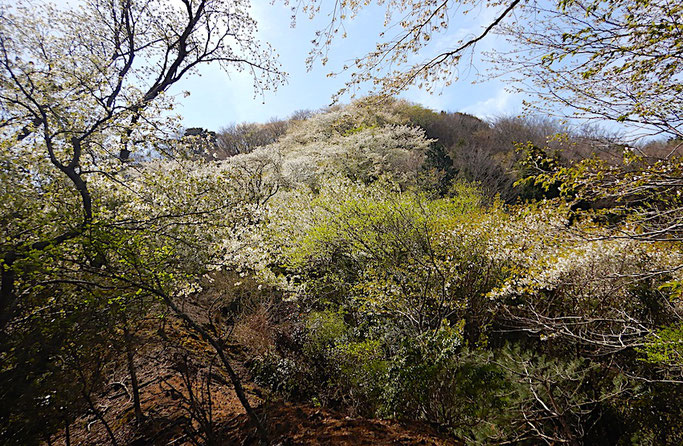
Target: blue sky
<point>218,99</point>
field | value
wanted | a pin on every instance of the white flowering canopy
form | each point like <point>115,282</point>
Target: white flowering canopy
<point>83,88</point>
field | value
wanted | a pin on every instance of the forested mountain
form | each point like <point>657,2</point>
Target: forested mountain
<point>370,273</point>
<point>378,259</point>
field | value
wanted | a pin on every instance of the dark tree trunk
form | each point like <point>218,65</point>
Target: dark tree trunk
<point>100,417</point>
<point>7,296</point>
<point>237,384</point>
<point>67,432</point>
<point>130,360</point>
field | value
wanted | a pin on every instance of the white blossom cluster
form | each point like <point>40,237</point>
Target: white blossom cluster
<point>351,142</point>
<point>589,271</point>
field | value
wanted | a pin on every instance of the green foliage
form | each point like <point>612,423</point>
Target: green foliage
<point>396,256</point>
<point>439,170</point>
<point>665,347</point>
<point>411,290</point>
<point>325,329</point>
<point>539,171</point>
<point>461,311</point>
<point>408,292</point>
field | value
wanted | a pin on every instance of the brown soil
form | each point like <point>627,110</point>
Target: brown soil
<point>168,421</point>
<point>297,424</point>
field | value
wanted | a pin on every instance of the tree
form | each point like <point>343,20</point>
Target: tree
<point>607,59</point>
<point>602,59</point>
<point>387,67</point>
<point>83,99</point>
<point>74,101</point>
<point>244,138</point>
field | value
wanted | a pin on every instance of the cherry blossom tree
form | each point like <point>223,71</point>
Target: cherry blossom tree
<point>84,97</point>
<point>83,89</point>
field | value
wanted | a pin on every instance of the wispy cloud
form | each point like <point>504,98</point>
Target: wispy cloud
<point>502,102</point>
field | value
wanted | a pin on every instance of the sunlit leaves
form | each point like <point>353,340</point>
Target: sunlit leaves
<point>601,59</point>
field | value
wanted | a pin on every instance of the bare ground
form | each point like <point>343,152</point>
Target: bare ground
<point>174,398</point>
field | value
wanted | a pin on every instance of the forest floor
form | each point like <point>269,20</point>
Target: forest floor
<point>175,403</point>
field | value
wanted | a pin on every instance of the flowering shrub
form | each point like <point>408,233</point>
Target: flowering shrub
<point>351,284</point>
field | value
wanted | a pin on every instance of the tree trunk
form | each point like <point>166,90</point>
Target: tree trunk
<point>100,417</point>
<point>7,296</point>
<point>237,384</point>
<point>139,417</point>
<point>67,432</point>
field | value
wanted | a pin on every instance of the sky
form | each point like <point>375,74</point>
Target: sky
<point>218,99</point>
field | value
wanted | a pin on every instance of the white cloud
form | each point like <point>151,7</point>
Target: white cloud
<point>501,103</point>
<point>434,101</point>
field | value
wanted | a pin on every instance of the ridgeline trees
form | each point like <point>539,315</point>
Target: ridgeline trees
<point>501,323</point>
<point>613,61</point>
